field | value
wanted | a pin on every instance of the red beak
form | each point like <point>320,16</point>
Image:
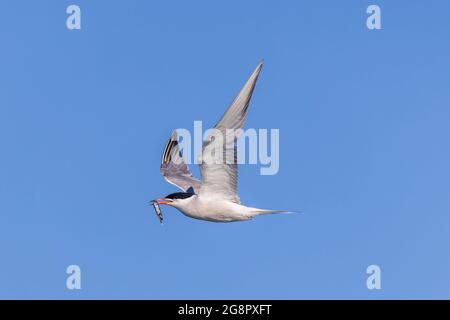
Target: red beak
<point>161,201</point>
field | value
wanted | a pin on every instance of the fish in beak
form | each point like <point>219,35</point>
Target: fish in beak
<point>157,211</point>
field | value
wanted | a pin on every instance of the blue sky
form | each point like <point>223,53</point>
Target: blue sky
<point>363,118</point>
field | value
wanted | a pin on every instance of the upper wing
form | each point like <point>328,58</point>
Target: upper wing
<point>174,169</point>
<point>218,166</point>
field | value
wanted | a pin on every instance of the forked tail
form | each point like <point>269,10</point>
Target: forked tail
<point>257,212</point>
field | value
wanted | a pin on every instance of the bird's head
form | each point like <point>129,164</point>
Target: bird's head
<point>174,199</point>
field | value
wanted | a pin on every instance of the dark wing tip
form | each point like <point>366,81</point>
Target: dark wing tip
<point>171,143</point>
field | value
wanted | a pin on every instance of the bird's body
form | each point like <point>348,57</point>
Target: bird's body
<point>214,198</point>
<point>217,210</point>
<point>211,209</point>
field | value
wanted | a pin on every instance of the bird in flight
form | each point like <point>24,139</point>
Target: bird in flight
<point>214,198</point>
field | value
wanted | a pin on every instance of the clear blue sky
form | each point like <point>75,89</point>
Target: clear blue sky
<point>364,129</point>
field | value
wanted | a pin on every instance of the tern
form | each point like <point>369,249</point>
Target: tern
<point>214,198</point>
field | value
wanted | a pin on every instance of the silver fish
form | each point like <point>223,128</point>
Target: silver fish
<point>158,212</point>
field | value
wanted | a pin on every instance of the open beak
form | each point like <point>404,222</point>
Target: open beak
<point>162,201</point>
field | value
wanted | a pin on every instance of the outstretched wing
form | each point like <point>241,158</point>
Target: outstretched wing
<point>218,166</point>
<point>174,169</point>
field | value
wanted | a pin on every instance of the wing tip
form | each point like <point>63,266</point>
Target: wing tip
<point>259,66</point>
<point>171,143</point>
<point>254,77</point>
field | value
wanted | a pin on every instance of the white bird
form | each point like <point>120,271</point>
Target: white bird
<point>214,198</point>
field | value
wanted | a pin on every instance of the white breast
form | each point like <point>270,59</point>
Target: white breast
<point>211,209</point>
